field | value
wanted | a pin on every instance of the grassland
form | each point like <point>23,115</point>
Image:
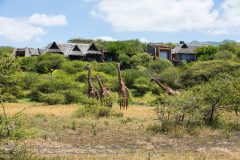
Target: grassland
<point>61,135</point>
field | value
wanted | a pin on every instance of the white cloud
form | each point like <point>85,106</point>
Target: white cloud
<point>28,28</point>
<point>46,20</point>
<point>17,30</point>
<point>170,15</point>
<point>144,40</point>
<point>105,38</point>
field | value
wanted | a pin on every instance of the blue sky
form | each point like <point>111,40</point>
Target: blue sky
<point>39,22</point>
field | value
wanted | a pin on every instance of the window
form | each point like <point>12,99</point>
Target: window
<point>164,54</point>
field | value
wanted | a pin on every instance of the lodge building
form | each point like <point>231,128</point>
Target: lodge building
<point>79,51</point>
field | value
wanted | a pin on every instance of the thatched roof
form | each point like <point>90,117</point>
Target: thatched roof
<point>184,49</point>
<point>68,49</point>
<point>78,49</point>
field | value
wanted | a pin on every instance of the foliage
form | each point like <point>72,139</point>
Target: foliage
<point>141,86</point>
<point>200,72</point>
<point>5,51</point>
<point>49,62</point>
<point>206,52</point>
<point>200,104</point>
<point>52,98</point>
<point>141,59</point>
<point>225,55</point>
<point>9,81</point>
<point>157,66</point>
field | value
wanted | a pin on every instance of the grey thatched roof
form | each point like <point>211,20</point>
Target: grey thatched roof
<point>77,49</point>
<point>184,49</point>
<point>34,52</point>
<point>67,49</point>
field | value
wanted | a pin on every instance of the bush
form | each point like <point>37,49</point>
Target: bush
<point>104,112</point>
<point>157,66</point>
<point>9,98</point>
<point>107,68</point>
<point>200,72</point>
<point>141,86</point>
<point>225,55</point>
<point>130,75</point>
<point>73,67</point>
<point>72,96</point>
<point>53,98</point>
<point>30,80</point>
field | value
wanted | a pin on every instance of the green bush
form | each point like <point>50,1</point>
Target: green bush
<point>130,75</point>
<point>107,68</point>
<point>200,72</point>
<point>72,96</point>
<point>157,66</point>
<point>73,67</point>
<point>53,98</point>
<point>9,98</point>
<point>30,80</point>
<point>141,86</point>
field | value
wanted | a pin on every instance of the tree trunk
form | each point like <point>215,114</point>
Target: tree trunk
<point>210,120</point>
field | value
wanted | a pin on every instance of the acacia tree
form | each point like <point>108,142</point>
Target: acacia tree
<point>49,62</point>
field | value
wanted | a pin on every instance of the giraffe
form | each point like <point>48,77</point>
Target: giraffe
<point>104,93</point>
<point>166,88</point>
<point>123,92</point>
<point>92,91</point>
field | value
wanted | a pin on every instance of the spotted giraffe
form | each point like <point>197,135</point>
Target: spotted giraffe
<point>104,93</point>
<point>92,91</point>
<point>123,92</point>
<point>164,87</point>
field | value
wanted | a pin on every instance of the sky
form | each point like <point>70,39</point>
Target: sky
<point>35,23</point>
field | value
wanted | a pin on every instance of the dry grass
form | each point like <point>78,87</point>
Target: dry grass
<point>33,109</point>
<point>133,111</point>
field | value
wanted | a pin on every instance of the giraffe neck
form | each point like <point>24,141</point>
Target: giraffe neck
<point>90,85</point>
<point>102,87</point>
<point>165,87</point>
<point>160,84</point>
<point>120,80</point>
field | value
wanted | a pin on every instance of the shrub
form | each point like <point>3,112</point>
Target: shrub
<point>30,80</point>
<point>81,112</point>
<point>225,55</point>
<point>157,66</point>
<point>104,112</point>
<point>130,75</point>
<point>9,98</point>
<point>72,96</point>
<point>141,86</point>
<point>73,67</point>
<point>200,72</point>
<point>107,68</point>
<point>53,98</point>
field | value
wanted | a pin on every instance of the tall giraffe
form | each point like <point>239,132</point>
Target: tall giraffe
<point>166,88</point>
<point>92,91</point>
<point>123,92</point>
<point>104,93</point>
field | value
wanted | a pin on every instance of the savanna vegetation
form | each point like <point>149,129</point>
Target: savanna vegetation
<point>44,103</point>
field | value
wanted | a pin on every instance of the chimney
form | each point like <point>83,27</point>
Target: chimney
<point>181,42</point>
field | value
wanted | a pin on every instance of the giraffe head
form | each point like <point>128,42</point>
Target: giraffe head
<point>118,65</point>
<point>87,67</point>
<point>153,79</point>
<point>97,76</point>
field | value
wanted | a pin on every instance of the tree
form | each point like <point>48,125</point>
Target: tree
<point>206,53</point>
<point>157,66</point>
<point>9,88</point>
<point>141,59</point>
<point>225,55</point>
<point>49,62</point>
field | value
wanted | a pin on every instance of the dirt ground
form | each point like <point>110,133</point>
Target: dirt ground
<point>61,134</point>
